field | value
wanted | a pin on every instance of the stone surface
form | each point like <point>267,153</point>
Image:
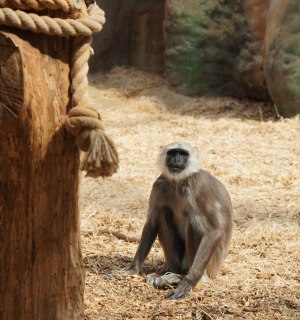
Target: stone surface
<point>147,37</point>
<point>282,56</point>
<point>132,35</point>
<point>111,45</point>
<point>211,49</point>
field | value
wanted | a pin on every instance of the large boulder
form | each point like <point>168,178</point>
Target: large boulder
<point>214,48</point>
<point>282,56</point>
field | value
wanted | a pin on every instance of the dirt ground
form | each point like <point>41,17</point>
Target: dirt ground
<point>252,151</point>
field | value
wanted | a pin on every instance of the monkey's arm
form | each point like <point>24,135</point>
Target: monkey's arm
<point>149,234</point>
<point>205,250</point>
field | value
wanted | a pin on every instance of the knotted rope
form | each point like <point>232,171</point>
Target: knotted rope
<point>101,157</point>
<point>100,160</point>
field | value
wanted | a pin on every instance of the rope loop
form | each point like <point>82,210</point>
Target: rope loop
<point>54,26</point>
<point>84,123</point>
<point>64,5</point>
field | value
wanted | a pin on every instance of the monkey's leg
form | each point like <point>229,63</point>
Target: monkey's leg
<point>173,245</point>
<point>174,250</point>
<point>205,251</point>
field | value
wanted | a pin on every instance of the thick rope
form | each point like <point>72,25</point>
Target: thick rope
<point>101,157</point>
<point>80,68</point>
<point>53,26</point>
<point>64,5</point>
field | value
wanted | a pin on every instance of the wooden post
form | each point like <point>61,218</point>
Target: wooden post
<point>41,269</point>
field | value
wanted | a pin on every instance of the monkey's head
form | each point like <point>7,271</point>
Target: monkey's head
<point>178,160</point>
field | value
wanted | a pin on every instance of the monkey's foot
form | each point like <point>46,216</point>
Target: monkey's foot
<point>183,289</point>
<point>133,270</point>
<point>205,278</point>
<point>165,281</point>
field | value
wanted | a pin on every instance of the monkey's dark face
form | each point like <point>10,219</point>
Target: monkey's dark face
<point>177,160</point>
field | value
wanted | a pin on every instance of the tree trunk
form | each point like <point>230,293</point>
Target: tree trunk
<point>41,269</point>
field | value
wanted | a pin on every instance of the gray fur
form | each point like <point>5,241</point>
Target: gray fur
<point>190,209</point>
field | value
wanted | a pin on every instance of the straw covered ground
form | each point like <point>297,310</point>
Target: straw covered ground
<point>252,151</point>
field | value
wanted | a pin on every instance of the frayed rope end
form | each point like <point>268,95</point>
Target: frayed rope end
<point>100,155</point>
<point>101,159</point>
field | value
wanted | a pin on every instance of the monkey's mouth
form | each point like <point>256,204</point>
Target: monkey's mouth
<point>175,169</point>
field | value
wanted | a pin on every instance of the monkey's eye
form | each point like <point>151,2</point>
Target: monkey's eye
<point>184,153</point>
<point>174,152</point>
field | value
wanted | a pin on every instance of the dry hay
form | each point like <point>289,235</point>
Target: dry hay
<point>247,147</point>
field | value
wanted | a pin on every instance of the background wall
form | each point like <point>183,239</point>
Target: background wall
<point>247,49</point>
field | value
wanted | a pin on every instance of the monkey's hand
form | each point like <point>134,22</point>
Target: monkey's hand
<point>183,289</point>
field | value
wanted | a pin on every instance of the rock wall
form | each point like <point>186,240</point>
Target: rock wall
<point>111,45</point>
<point>212,49</point>
<point>132,35</point>
<point>239,48</point>
<point>256,12</point>
<point>282,56</point>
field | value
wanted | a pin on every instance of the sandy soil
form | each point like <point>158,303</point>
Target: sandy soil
<point>253,152</point>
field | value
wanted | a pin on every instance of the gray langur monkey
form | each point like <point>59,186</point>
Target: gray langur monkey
<point>191,213</point>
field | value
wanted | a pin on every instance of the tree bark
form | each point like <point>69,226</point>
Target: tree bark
<point>41,269</point>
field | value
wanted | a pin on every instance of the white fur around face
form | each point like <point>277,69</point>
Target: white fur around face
<point>193,162</point>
